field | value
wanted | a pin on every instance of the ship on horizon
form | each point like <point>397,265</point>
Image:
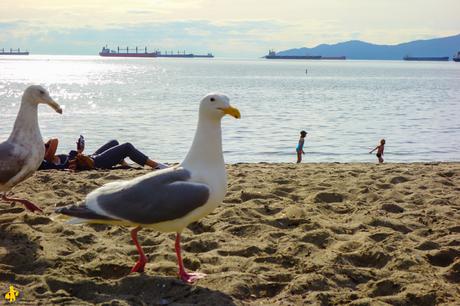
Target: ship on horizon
<point>272,55</point>
<point>183,54</point>
<point>122,52</point>
<point>13,52</point>
<point>426,58</point>
<point>456,58</point>
<point>126,52</point>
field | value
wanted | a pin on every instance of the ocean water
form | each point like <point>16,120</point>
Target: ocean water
<point>346,106</point>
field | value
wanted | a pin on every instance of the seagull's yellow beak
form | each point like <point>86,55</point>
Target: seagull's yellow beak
<point>232,111</point>
<point>54,106</point>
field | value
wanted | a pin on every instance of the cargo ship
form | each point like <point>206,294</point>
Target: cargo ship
<point>136,52</point>
<point>456,58</point>
<point>13,52</point>
<point>126,52</point>
<point>426,58</point>
<point>178,54</point>
<point>333,57</point>
<point>272,55</point>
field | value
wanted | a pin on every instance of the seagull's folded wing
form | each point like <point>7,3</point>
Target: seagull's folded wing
<point>10,164</point>
<point>149,199</point>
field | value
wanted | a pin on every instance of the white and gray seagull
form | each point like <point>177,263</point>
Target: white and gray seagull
<point>22,153</point>
<point>167,200</point>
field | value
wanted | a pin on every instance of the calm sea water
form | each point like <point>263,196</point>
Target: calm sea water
<point>346,106</point>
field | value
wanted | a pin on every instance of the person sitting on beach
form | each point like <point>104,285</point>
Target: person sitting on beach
<point>379,149</point>
<point>109,155</point>
<point>299,148</point>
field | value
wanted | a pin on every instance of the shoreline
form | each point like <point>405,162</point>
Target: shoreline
<point>286,234</point>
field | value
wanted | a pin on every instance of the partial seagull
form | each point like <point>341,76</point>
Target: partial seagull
<point>22,153</point>
<point>167,200</point>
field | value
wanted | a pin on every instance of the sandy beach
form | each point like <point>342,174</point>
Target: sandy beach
<point>286,234</point>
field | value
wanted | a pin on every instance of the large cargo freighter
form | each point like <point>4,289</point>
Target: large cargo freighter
<point>426,58</point>
<point>126,52</point>
<point>166,54</point>
<point>122,52</point>
<point>13,52</point>
<point>272,55</point>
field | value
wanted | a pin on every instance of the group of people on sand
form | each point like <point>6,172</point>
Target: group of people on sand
<point>113,154</point>
<point>299,149</point>
<point>107,156</point>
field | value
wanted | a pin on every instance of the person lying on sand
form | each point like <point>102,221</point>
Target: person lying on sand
<point>379,149</point>
<point>109,155</point>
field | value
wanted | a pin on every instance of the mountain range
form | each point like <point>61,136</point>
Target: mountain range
<point>356,49</point>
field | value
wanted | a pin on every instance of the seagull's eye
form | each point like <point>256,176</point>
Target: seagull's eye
<point>212,99</point>
<point>42,92</point>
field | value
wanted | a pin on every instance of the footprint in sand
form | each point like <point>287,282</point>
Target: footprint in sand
<point>453,272</point>
<point>320,238</point>
<point>398,180</point>
<point>108,271</point>
<point>389,223</point>
<point>244,252</point>
<point>368,258</point>
<point>310,282</point>
<point>446,174</point>
<point>282,260</point>
<point>200,246</point>
<point>443,258</point>
<point>349,246</point>
<point>83,241</point>
<point>246,196</point>
<point>427,246</point>
<point>36,220</point>
<point>385,287</point>
<point>379,236</point>
<point>328,197</point>
<point>245,230</point>
<point>199,228</point>
<point>392,208</point>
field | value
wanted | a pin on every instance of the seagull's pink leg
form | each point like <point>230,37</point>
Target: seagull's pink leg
<point>140,264</point>
<point>186,277</point>
<point>29,205</point>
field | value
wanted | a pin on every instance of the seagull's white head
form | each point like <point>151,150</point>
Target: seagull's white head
<point>215,106</point>
<point>37,94</point>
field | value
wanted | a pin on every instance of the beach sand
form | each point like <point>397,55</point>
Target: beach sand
<point>286,234</point>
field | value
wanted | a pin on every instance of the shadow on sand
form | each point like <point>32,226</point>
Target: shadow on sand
<point>135,290</point>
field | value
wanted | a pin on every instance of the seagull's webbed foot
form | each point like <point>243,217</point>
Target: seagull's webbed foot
<point>190,277</point>
<point>29,205</point>
<point>140,264</point>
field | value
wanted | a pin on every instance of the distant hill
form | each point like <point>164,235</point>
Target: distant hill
<point>356,49</point>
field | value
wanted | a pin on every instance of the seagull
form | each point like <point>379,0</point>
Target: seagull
<point>167,200</point>
<point>22,153</point>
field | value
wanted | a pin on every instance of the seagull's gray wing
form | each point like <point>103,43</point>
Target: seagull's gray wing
<point>155,198</point>
<point>10,164</point>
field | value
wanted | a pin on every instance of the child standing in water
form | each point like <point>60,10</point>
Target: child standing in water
<point>299,148</point>
<point>379,149</point>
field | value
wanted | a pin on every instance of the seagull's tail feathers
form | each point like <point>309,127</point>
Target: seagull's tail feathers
<point>77,221</point>
<point>82,214</point>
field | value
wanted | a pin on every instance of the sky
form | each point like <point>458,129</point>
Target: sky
<point>235,28</point>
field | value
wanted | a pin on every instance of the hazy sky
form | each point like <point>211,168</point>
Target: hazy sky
<point>235,28</point>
